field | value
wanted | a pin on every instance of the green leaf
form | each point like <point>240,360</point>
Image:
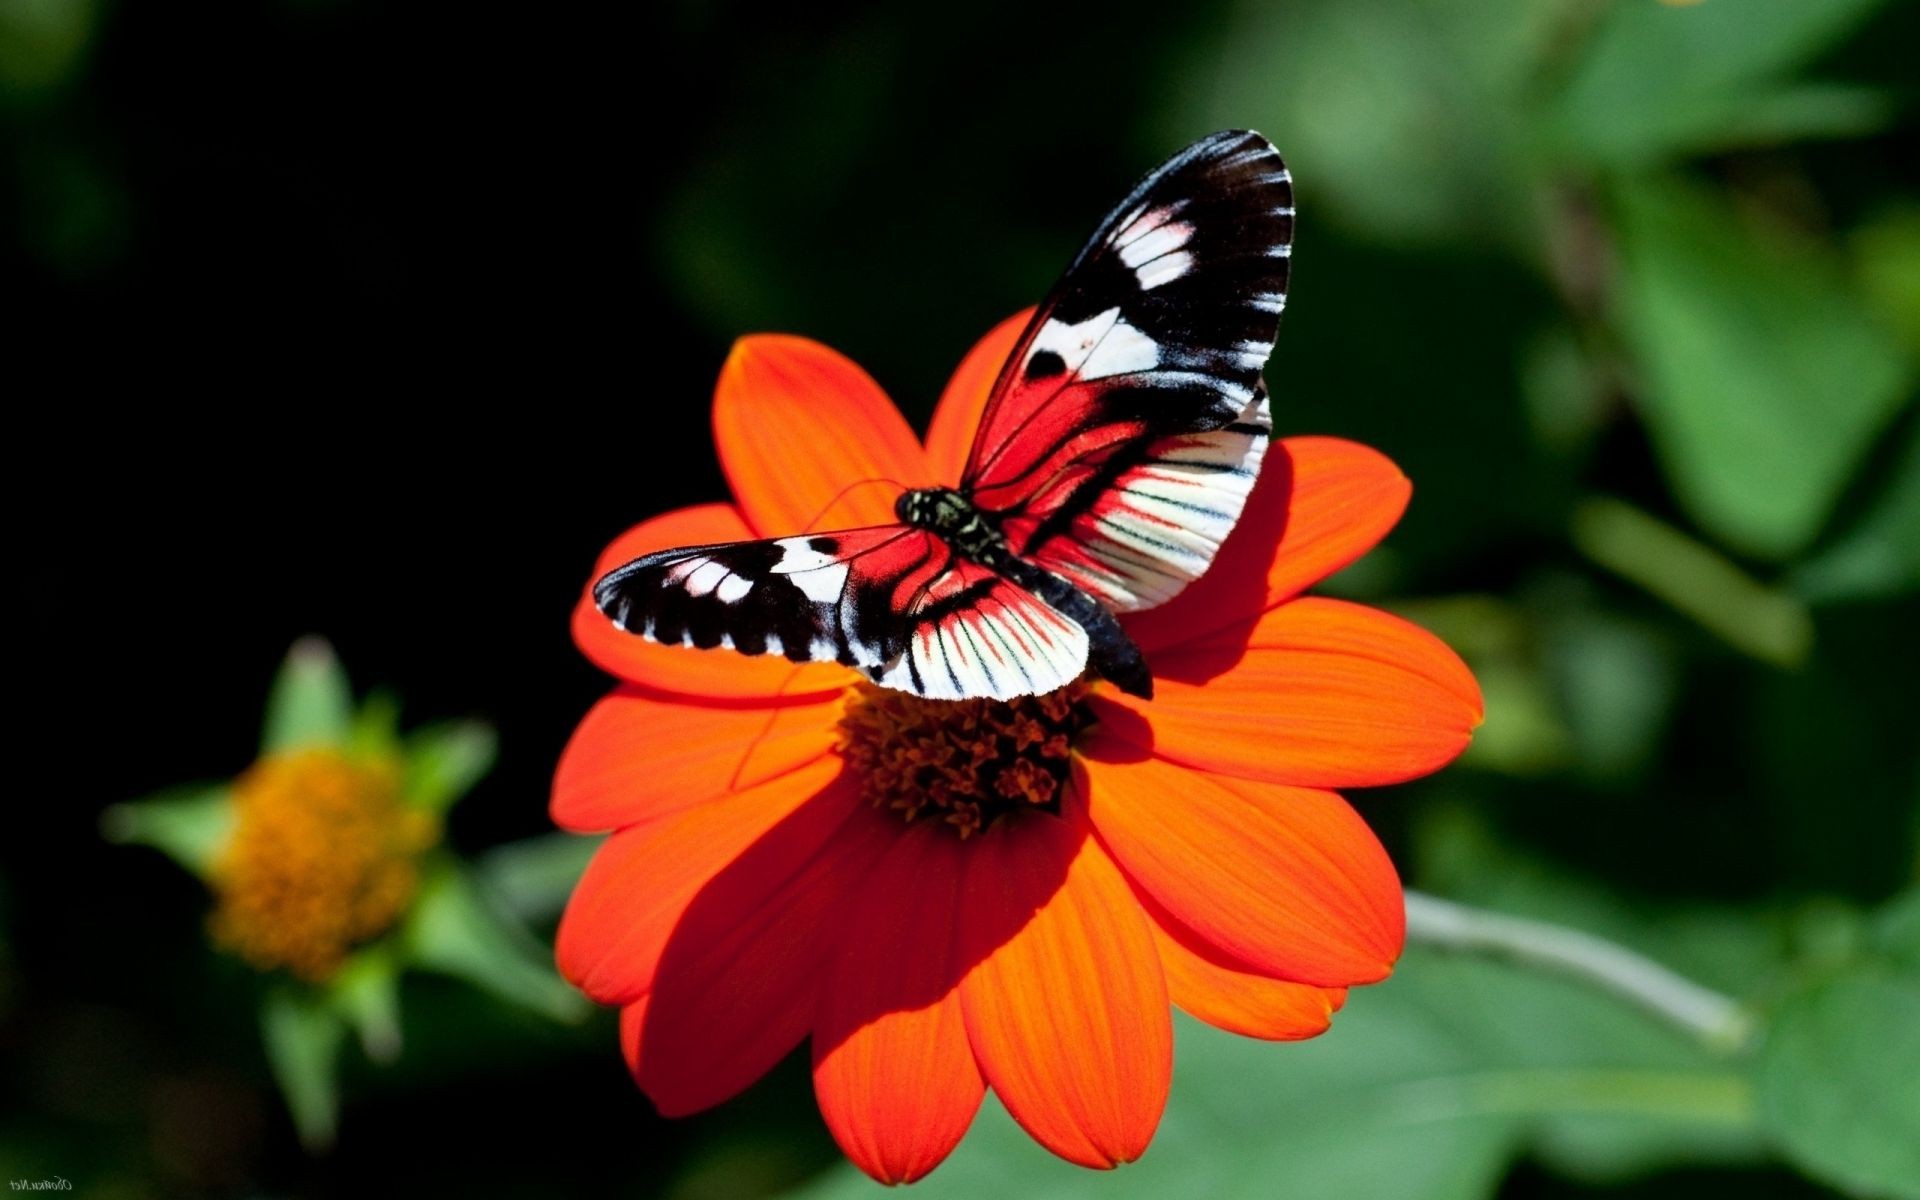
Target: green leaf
<point>533,877</point>
<point>1837,1082</point>
<point>43,41</point>
<point>1896,930</point>
<point>366,992</point>
<point>1886,262</point>
<point>1768,624</point>
<point>1406,121</point>
<point>445,761</point>
<point>1658,80</point>
<point>376,727</point>
<point>189,824</point>
<point>311,703</point>
<point>457,930</point>
<point>303,1036</point>
<point>1764,380</point>
<point>1879,558</point>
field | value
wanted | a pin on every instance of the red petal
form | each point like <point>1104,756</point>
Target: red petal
<point>808,440</point>
<point>957,418</point>
<point>1319,693</point>
<point>1289,881</point>
<point>677,668</point>
<point>1320,504</point>
<point>891,1063</point>
<point>737,984</point>
<point>1212,988</point>
<point>636,891</point>
<point>639,755</point>
<point>1065,1002</point>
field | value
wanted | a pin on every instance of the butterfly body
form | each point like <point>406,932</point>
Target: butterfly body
<point>972,533</point>
<point>1113,456</point>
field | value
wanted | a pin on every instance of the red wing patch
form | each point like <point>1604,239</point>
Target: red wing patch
<point>1148,521</point>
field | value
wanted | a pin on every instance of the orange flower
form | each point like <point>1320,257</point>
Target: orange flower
<point>796,854</point>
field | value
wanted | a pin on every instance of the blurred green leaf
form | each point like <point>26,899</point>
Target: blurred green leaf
<point>1880,556</point>
<point>1523,733</point>
<point>376,727</point>
<point>1886,261</point>
<point>1567,396</point>
<point>1615,679</point>
<point>303,1037</point>
<point>188,824</point>
<point>532,878</point>
<point>456,930</point>
<point>445,761</point>
<point>1768,624</point>
<point>366,993</point>
<point>1764,381</point>
<point>1896,930</point>
<point>311,703</point>
<point>1656,80</point>
<point>1840,1082</point>
<point>1405,121</point>
<point>42,41</point>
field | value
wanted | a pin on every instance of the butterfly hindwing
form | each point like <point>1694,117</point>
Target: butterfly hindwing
<point>894,602</point>
<point>1125,428</point>
<point>1147,520</point>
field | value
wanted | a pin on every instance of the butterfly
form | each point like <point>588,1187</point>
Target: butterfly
<point>1114,455</point>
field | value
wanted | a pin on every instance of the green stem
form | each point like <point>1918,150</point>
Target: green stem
<point>1716,1020</point>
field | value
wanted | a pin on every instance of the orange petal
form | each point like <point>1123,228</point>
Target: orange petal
<point>637,889</point>
<point>891,1064</point>
<point>808,440</point>
<point>737,984</point>
<point>1225,994</point>
<point>1320,504</point>
<point>1289,881</point>
<point>680,668</point>
<point>638,755</point>
<point>957,417</point>
<point>1316,692</point>
<point>1065,1003</point>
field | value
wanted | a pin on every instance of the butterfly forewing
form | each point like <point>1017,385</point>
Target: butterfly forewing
<point>894,602</point>
<point>1094,451</point>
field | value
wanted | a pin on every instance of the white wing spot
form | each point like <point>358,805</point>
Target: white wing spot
<point>704,577</point>
<point>820,577</point>
<point>1161,239</point>
<point>1165,269</point>
<point>1100,346</point>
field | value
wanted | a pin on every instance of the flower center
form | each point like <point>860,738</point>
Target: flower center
<point>322,858</point>
<point>964,763</point>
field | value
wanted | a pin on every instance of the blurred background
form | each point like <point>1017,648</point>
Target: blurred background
<point>377,321</point>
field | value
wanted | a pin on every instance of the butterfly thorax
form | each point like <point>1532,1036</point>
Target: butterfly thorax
<point>954,517</point>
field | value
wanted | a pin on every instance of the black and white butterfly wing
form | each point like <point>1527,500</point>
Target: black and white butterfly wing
<point>894,602</point>
<point>1124,433</point>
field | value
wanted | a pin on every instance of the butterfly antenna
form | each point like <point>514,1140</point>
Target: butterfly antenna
<point>766,731</point>
<point>842,494</point>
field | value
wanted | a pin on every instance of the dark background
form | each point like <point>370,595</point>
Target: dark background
<point>378,321</point>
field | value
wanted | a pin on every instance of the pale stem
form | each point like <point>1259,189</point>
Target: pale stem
<point>1717,1020</point>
